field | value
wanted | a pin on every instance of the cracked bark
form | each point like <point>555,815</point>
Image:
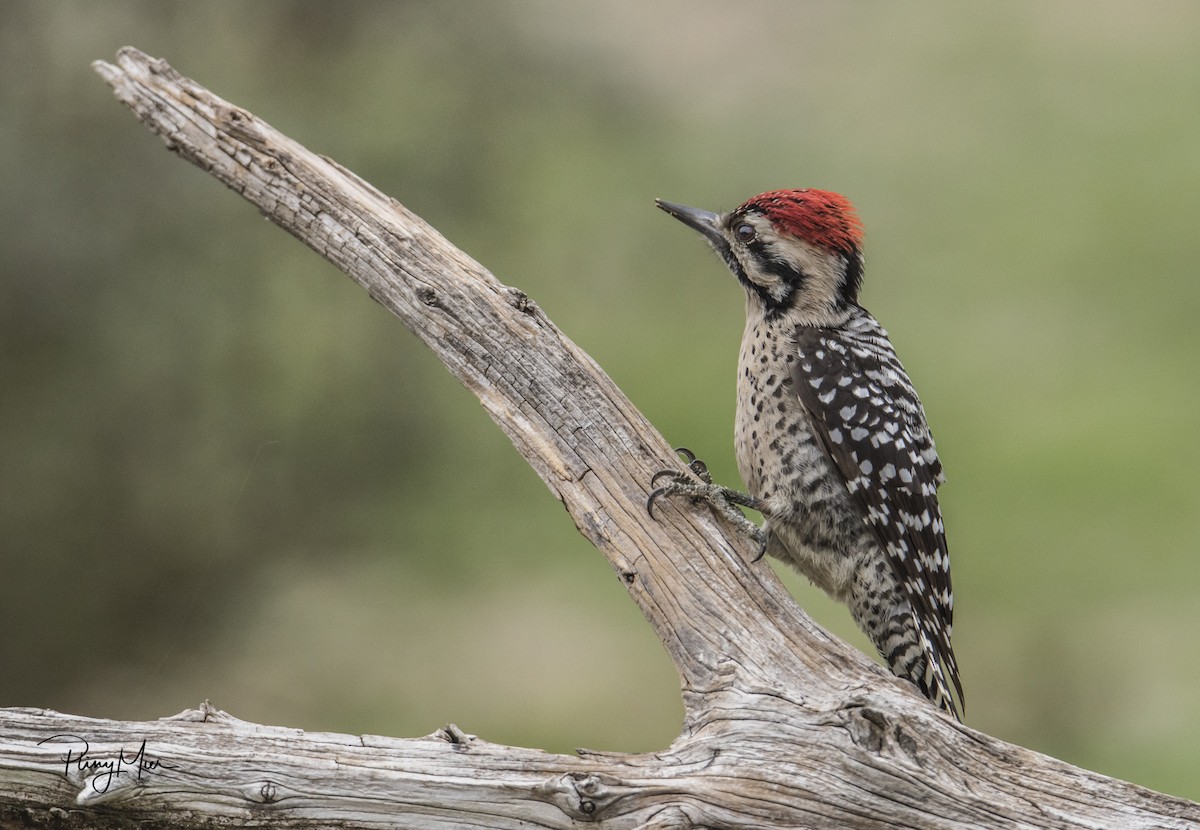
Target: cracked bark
<point>784,726</point>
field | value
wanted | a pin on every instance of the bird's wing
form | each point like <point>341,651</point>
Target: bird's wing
<point>866,413</point>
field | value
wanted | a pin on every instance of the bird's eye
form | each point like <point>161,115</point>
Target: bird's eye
<point>745,233</point>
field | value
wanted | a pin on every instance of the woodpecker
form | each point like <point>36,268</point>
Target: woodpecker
<point>830,437</point>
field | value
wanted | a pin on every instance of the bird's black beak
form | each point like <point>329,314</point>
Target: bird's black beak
<point>706,222</point>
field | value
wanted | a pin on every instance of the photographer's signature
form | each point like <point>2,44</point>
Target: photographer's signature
<point>103,771</point>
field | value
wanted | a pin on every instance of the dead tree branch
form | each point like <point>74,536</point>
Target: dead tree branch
<point>784,726</point>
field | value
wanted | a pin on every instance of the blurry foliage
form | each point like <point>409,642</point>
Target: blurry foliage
<point>225,473</point>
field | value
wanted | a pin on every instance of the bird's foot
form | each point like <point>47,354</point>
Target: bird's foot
<point>699,468</point>
<point>722,499</point>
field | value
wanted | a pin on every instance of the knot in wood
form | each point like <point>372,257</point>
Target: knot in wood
<point>429,297</point>
<point>583,796</point>
<point>240,124</point>
<point>587,787</point>
<point>867,728</point>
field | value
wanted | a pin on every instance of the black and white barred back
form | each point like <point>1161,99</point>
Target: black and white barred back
<point>871,425</point>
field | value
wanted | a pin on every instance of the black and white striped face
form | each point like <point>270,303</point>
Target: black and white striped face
<point>781,271</point>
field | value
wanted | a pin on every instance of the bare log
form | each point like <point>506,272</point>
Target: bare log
<point>784,725</point>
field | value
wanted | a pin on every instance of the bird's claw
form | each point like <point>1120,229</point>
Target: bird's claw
<point>762,546</point>
<point>697,467</point>
<point>722,499</point>
<point>677,479</point>
<point>666,474</point>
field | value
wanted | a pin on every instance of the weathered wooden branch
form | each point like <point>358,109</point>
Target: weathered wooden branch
<point>784,726</point>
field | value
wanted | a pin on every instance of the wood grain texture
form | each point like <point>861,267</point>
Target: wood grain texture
<point>784,726</point>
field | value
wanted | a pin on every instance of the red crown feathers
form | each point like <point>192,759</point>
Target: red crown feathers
<point>819,217</point>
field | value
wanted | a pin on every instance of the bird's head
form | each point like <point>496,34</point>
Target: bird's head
<point>796,252</point>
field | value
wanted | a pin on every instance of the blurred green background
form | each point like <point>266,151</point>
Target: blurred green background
<point>225,473</point>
